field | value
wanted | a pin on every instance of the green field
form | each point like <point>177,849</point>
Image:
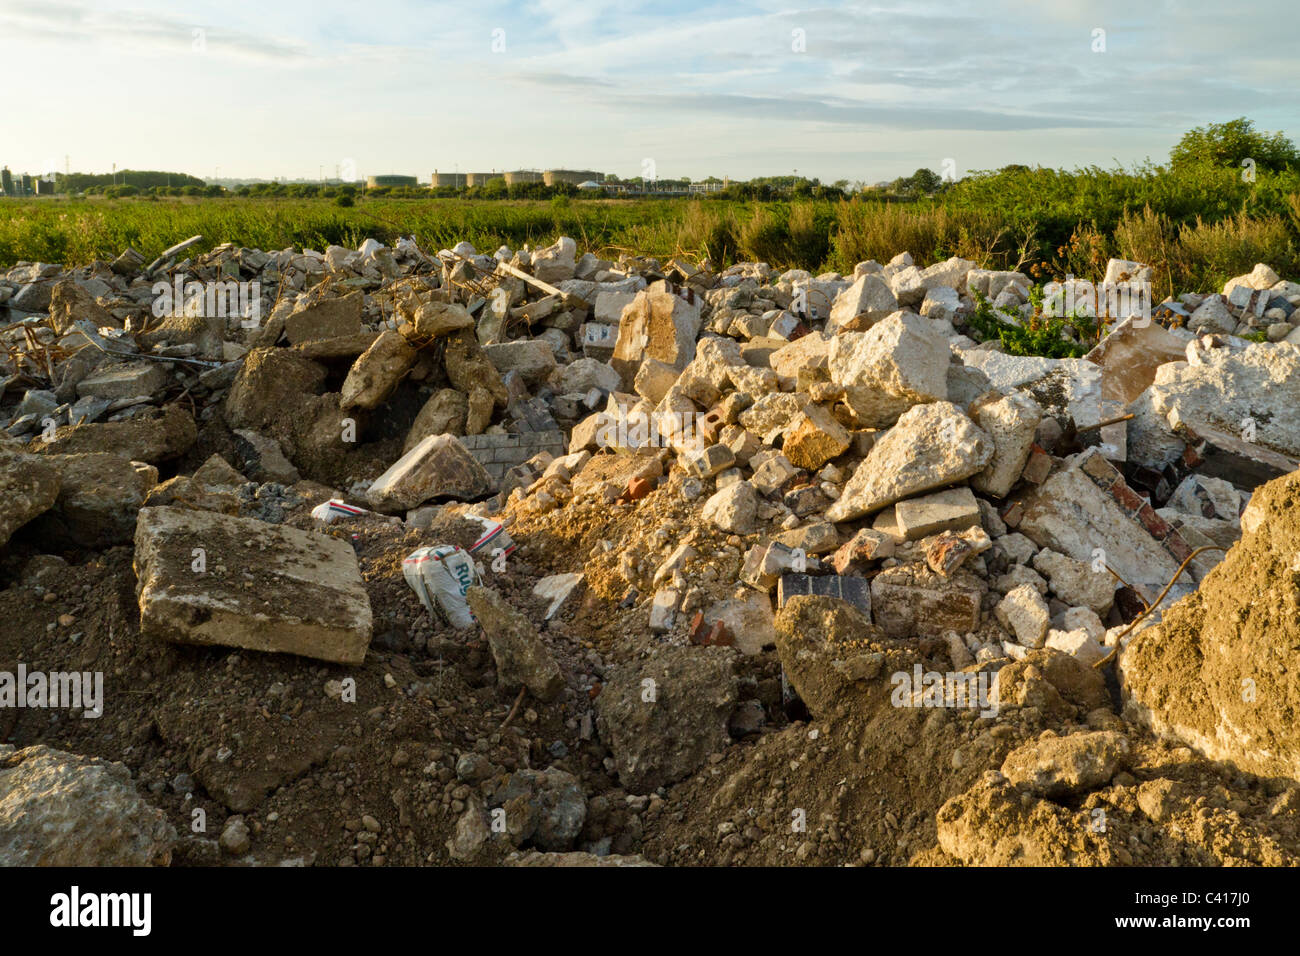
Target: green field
<point>1197,226</point>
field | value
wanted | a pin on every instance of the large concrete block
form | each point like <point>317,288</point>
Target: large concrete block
<point>208,578</point>
<point>656,324</point>
<point>325,319</point>
<point>931,446</point>
<point>438,467</point>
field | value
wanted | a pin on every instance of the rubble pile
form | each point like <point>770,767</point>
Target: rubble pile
<point>727,542</point>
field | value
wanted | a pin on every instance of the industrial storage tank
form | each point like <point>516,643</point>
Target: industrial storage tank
<point>480,179</point>
<point>391,180</point>
<point>523,176</point>
<point>574,176</point>
<point>450,179</point>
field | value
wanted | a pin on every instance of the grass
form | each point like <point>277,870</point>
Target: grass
<point>1196,227</point>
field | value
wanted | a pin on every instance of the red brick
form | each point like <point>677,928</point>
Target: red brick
<point>1176,546</point>
<point>1038,467</point>
<point>1156,526</point>
<point>637,489</point>
<point>709,424</point>
<point>1126,497</point>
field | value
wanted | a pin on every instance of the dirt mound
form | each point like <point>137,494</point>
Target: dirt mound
<point>1218,672</point>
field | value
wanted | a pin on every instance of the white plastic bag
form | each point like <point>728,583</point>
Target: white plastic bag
<point>335,510</point>
<point>442,574</point>
<point>495,540</point>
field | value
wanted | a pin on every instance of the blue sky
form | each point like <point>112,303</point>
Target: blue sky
<point>854,91</point>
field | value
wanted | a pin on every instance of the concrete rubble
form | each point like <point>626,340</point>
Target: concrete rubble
<point>741,499</point>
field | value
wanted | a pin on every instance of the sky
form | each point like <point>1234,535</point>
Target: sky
<point>857,91</point>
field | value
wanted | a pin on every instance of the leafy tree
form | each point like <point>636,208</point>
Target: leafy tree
<point>495,188</point>
<point>1228,144</point>
<point>924,182</point>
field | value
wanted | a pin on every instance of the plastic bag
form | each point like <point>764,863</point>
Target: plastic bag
<point>442,575</point>
<point>335,510</point>
<point>495,540</point>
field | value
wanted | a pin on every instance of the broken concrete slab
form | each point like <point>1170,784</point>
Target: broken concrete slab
<point>1061,387</point>
<point>910,600</point>
<point>533,359</point>
<point>377,373</point>
<point>819,537</point>
<point>1076,583</point>
<point>1023,612</point>
<point>931,446</point>
<point>520,654</point>
<point>468,367</point>
<point>657,324</point>
<point>748,619</point>
<point>124,380</point>
<point>807,351</point>
<point>262,459</point>
<point>438,467</point>
<point>867,301</point>
<point>733,508</point>
<point>900,362</point>
<point>435,319</point>
<point>70,302</point>
<point>60,809</point>
<point>324,319</point>
<point>953,509</point>
<point>1011,421</point>
<point>1130,354</point>
<point>445,413</point>
<point>813,438</point>
<point>1253,394</point>
<point>194,570</point>
<point>99,496</point>
<point>1087,512</point>
<point>151,440</point>
<point>653,379</point>
<point>29,486</point>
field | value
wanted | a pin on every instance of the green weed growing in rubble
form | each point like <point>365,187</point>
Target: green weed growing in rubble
<point>1039,334</point>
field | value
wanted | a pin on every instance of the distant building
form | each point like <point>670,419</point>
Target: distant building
<point>456,180</point>
<point>6,182</point>
<point>524,176</point>
<point>575,176</point>
<point>694,188</point>
<point>480,179</point>
<point>391,180</point>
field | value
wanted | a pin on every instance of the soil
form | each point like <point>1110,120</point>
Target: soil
<point>321,780</point>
